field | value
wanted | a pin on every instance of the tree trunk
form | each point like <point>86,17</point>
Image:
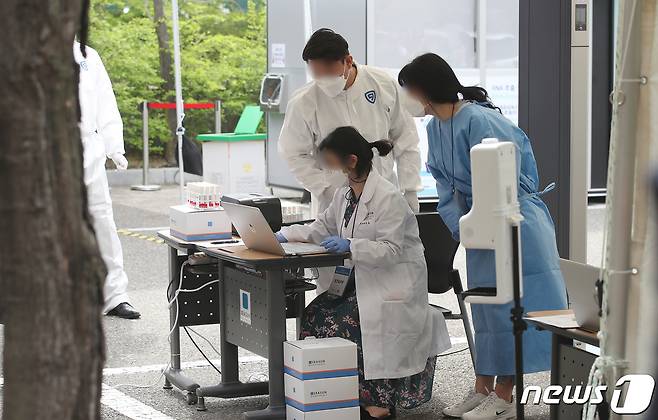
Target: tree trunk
<point>51,272</point>
<point>166,74</point>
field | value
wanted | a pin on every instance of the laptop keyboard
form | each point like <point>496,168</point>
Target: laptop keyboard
<point>302,248</point>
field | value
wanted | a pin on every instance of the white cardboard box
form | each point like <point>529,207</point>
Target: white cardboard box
<point>237,167</point>
<point>322,394</point>
<point>316,358</point>
<point>351,413</point>
<point>190,224</point>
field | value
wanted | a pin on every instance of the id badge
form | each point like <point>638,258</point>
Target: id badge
<point>340,280</point>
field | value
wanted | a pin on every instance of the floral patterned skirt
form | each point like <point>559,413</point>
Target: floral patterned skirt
<point>331,316</point>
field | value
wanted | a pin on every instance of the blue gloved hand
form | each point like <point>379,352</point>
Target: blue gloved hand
<point>336,244</point>
<point>280,237</point>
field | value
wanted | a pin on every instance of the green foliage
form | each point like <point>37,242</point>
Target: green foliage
<point>223,55</point>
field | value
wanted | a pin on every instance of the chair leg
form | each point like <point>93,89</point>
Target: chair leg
<point>467,327</point>
<point>458,289</point>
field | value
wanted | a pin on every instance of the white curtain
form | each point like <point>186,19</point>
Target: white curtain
<point>643,312</point>
<point>628,330</point>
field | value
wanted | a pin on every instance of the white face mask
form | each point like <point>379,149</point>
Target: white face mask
<point>332,86</point>
<point>416,108</point>
<point>413,106</point>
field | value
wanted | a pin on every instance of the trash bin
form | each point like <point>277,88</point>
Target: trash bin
<point>236,161</point>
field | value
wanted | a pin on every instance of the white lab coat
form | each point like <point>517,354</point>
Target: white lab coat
<point>101,130</point>
<point>397,326</point>
<point>372,105</point>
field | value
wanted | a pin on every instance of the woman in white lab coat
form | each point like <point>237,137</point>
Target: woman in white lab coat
<point>383,307</point>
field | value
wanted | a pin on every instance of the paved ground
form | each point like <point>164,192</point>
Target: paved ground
<point>137,350</point>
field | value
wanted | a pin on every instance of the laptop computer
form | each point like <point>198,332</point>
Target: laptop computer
<point>580,280</point>
<point>256,233</point>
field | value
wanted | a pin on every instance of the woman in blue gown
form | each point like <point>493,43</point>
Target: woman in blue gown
<point>463,116</point>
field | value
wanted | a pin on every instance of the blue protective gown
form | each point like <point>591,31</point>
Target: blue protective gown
<point>543,285</point>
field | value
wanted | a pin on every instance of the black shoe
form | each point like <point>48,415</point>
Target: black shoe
<point>124,310</point>
<point>365,415</point>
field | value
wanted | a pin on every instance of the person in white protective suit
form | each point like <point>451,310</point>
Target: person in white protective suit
<point>345,93</point>
<point>101,130</point>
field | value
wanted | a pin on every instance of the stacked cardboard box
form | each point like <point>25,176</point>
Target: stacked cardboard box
<point>321,379</point>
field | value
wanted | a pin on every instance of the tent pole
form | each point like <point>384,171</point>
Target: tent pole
<point>621,174</point>
<point>180,115</point>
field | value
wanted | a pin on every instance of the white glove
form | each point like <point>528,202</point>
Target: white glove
<point>119,160</point>
<point>412,200</point>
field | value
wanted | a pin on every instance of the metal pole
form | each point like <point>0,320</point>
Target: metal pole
<point>308,31</point>
<point>145,153</point>
<point>180,115</point>
<point>519,325</point>
<point>481,40</point>
<point>218,116</point>
<point>145,145</point>
<point>621,176</point>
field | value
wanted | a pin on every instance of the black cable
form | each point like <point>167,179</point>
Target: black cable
<point>201,351</point>
<point>171,282</point>
<point>453,352</point>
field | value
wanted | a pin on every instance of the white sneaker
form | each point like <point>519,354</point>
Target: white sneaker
<point>492,408</point>
<point>472,400</point>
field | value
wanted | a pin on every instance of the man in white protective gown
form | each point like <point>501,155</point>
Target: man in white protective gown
<point>344,93</point>
<point>101,130</point>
